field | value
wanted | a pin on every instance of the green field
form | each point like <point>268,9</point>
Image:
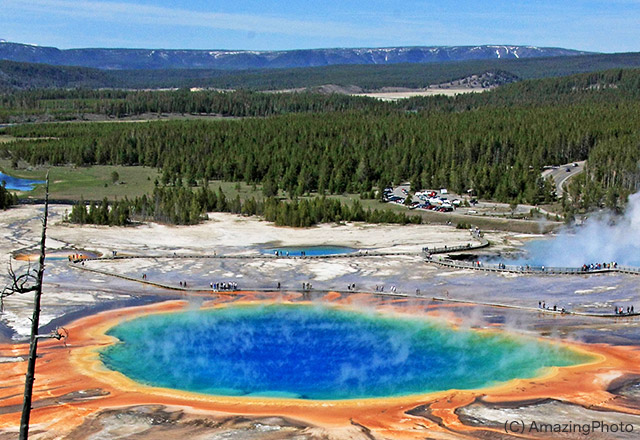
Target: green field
<point>90,183</point>
<point>74,183</point>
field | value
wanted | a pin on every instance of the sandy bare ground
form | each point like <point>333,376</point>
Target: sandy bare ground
<point>394,96</point>
<point>239,234</point>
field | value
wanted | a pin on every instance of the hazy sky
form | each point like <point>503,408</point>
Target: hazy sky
<point>605,26</point>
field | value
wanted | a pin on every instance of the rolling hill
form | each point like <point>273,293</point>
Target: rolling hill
<point>122,59</point>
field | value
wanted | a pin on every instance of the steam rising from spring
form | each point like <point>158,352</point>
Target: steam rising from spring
<point>601,239</point>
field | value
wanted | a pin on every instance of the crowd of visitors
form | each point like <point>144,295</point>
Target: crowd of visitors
<point>555,308</point>
<point>228,285</point>
<point>598,266</point>
<point>621,310</point>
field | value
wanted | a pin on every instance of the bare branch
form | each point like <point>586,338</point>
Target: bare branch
<point>23,283</point>
<point>59,334</point>
<point>17,284</point>
<point>62,334</point>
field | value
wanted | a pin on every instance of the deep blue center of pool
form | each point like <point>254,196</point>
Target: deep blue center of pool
<point>318,352</point>
<point>296,251</point>
<point>18,184</point>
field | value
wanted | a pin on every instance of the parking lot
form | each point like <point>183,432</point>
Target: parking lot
<point>442,200</point>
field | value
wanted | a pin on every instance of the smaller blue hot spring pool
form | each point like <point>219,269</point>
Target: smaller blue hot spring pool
<point>18,184</point>
<point>310,251</point>
<point>319,352</point>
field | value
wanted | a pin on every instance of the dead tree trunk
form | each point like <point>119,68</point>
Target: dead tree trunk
<point>35,324</point>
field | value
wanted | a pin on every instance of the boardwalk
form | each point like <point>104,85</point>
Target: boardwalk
<point>537,309</point>
<point>186,290</point>
<point>527,269</point>
<point>76,259</point>
<point>428,253</point>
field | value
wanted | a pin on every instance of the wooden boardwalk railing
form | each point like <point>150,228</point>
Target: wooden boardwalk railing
<point>357,254</point>
<point>482,243</point>
<point>528,269</point>
<point>537,309</point>
<point>208,291</point>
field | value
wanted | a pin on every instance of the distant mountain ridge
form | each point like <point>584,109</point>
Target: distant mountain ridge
<point>120,59</point>
<point>16,75</point>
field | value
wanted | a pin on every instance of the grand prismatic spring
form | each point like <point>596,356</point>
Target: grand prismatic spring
<point>318,353</point>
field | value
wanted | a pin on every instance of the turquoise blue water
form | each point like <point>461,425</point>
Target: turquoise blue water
<point>319,353</point>
<point>296,251</point>
<point>16,183</point>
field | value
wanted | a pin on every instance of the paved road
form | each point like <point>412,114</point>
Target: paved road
<point>563,173</point>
